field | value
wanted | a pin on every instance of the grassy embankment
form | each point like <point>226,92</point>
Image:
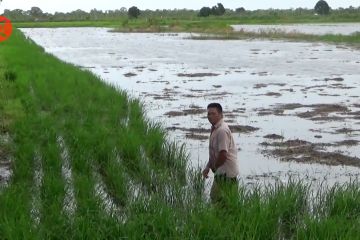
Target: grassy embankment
<point>88,165</point>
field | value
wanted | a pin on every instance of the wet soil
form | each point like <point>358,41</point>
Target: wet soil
<point>197,74</point>
<point>347,143</point>
<point>193,111</point>
<point>316,112</point>
<point>273,136</point>
<point>196,136</point>
<point>322,110</point>
<point>130,74</point>
<point>203,133</point>
<point>192,133</point>
<point>306,152</point>
<point>346,130</point>
<point>275,94</point>
<point>263,85</point>
<point>242,129</point>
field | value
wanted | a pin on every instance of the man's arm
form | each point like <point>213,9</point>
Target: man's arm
<point>221,159</point>
<point>218,163</point>
<point>206,170</point>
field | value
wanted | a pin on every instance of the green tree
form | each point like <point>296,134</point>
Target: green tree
<point>240,10</point>
<point>36,12</point>
<point>322,7</point>
<point>96,14</point>
<point>205,12</point>
<point>133,12</point>
<point>218,10</point>
<point>79,15</point>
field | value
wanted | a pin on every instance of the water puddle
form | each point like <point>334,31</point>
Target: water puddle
<point>5,160</point>
<point>66,172</point>
<point>36,189</point>
<point>290,91</point>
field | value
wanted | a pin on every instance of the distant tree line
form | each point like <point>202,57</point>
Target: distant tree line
<point>36,14</point>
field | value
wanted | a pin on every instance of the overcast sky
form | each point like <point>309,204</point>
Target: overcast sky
<point>52,6</point>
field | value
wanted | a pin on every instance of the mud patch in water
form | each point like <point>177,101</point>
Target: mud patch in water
<point>197,74</point>
<point>318,112</point>
<point>160,96</point>
<point>208,94</point>
<point>322,110</point>
<point>193,133</point>
<point>337,79</point>
<point>306,152</point>
<point>273,136</point>
<point>130,74</point>
<point>346,131</point>
<point>242,128</point>
<point>275,94</point>
<point>192,111</point>
<point>347,143</point>
<point>196,136</point>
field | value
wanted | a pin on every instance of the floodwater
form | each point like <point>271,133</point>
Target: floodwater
<point>265,87</point>
<point>315,28</point>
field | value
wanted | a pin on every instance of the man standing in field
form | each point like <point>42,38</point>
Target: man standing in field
<point>222,155</point>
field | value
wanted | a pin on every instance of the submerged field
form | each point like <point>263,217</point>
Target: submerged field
<point>293,101</point>
<point>86,163</point>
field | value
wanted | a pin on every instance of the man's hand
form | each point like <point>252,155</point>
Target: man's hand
<point>205,172</point>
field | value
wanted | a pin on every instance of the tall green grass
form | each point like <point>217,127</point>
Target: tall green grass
<point>84,135</point>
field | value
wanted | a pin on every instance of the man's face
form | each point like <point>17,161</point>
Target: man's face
<point>213,115</point>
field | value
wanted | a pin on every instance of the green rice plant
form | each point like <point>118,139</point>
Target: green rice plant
<point>343,200</point>
<point>14,224</point>
<point>328,228</point>
<point>144,221</point>
<point>116,183</point>
<point>289,204</point>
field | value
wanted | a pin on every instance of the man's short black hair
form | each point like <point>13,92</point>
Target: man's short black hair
<point>215,105</point>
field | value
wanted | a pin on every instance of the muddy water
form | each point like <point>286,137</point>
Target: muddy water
<point>316,29</point>
<point>255,81</point>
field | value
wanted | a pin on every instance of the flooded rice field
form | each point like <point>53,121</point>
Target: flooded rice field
<point>294,107</point>
<point>315,28</point>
